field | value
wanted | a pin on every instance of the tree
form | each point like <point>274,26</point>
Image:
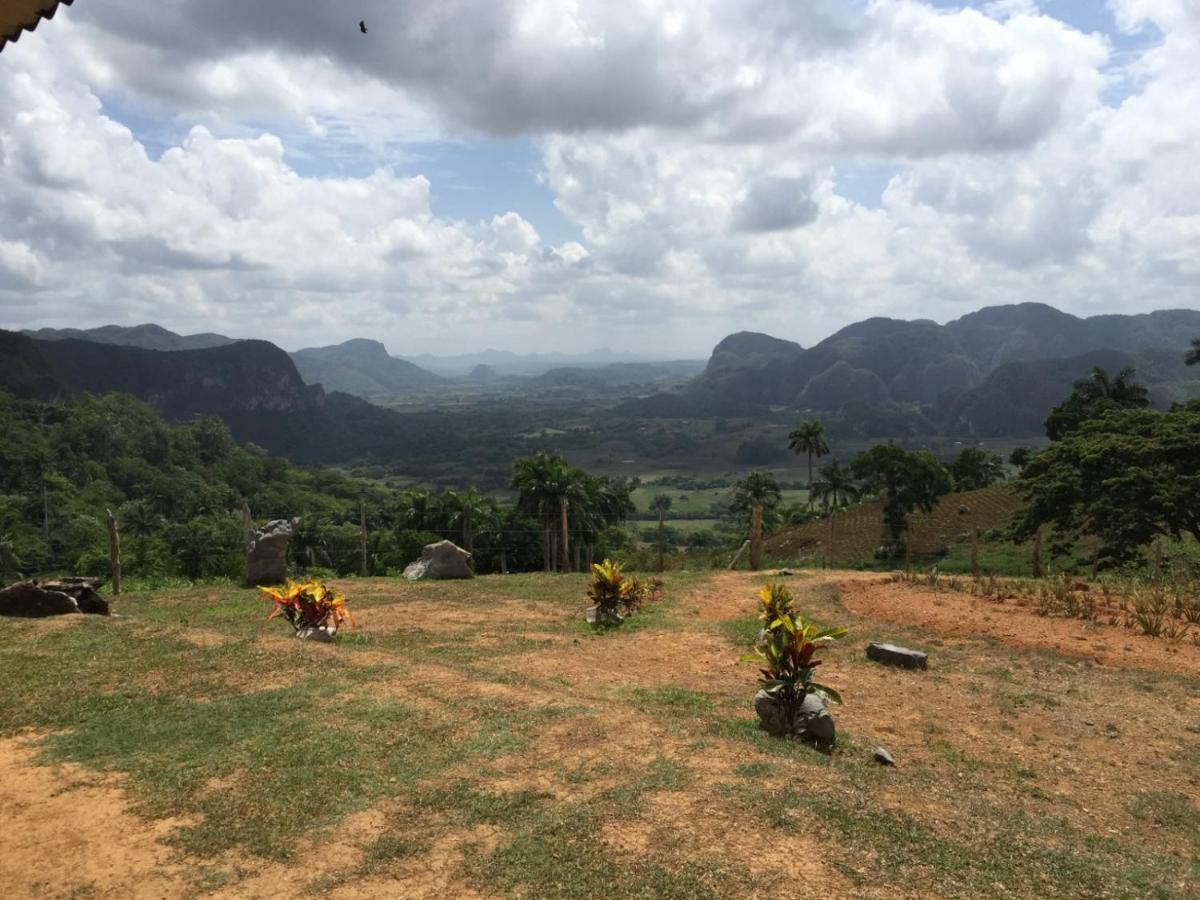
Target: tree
<point>760,487</point>
<point>836,486</point>
<point>809,438</point>
<point>1094,396</point>
<point>904,482</point>
<point>975,468</point>
<point>542,483</point>
<point>1127,477</point>
<point>661,503</point>
<point>1193,354</point>
<point>1020,457</point>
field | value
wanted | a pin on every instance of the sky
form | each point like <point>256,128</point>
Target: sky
<point>645,175</point>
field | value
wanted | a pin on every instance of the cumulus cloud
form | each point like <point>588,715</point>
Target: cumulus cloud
<point>696,146</point>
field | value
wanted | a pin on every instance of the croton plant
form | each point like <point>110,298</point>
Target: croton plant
<point>308,604</point>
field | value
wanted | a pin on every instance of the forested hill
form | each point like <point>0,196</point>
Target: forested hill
<point>919,376</point>
<point>253,386</point>
<point>147,337</point>
<point>360,367</point>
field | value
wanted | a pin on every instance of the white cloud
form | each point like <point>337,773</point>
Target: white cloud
<point>694,144</point>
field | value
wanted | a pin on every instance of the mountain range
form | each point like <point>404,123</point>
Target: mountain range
<point>995,372</point>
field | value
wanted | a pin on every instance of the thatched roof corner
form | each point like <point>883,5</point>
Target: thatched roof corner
<point>17,16</point>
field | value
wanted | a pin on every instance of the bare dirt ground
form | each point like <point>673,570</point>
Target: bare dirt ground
<point>1053,723</point>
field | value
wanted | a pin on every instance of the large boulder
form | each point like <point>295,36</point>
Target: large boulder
<point>445,559</point>
<point>65,596</point>
<point>812,723</point>
<point>266,557</point>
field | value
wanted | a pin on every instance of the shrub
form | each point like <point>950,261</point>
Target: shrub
<point>616,596</point>
<point>786,650</point>
<point>308,604</point>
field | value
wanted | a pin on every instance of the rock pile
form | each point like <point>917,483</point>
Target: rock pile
<point>64,596</point>
<point>812,723</point>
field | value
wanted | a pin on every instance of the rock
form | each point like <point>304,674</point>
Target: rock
<point>883,757</point>
<point>266,557</point>
<point>893,655</point>
<point>58,597</point>
<point>813,721</point>
<point>783,572</point>
<point>595,616</point>
<point>26,599</point>
<point>442,560</point>
<point>315,634</point>
<point>83,591</point>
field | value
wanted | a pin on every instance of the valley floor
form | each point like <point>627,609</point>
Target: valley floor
<point>474,739</point>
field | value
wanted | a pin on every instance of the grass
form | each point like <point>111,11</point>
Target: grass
<point>540,759</point>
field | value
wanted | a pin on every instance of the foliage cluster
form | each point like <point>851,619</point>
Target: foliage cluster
<point>786,651</point>
<point>308,604</point>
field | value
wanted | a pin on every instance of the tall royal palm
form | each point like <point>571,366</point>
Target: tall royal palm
<point>542,483</point>
<point>809,438</point>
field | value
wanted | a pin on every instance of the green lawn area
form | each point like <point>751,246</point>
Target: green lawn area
<point>483,729</point>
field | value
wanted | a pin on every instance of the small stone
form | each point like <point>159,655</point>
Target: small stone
<point>320,635</point>
<point>596,616</point>
<point>894,655</point>
<point>782,572</point>
<point>883,757</point>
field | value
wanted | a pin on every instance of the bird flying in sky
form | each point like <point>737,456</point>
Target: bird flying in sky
<point>362,26</point>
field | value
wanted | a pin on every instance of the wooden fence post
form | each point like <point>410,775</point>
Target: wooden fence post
<point>114,552</point>
<point>737,556</point>
<point>566,558</point>
<point>661,515</point>
<point>1037,553</point>
<point>362,536</point>
<point>832,564</point>
<point>975,553</point>
<point>756,536</point>
<point>247,528</point>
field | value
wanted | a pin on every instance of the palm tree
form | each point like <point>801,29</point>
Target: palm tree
<point>543,482</point>
<point>1193,355</point>
<point>836,487</point>
<point>1121,389</point>
<point>139,519</point>
<point>757,487</point>
<point>809,438</point>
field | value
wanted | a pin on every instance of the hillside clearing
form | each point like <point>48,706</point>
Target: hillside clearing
<point>474,739</point>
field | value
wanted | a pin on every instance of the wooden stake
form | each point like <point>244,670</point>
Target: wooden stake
<point>756,536</point>
<point>114,553</point>
<point>831,563</point>
<point>247,528</point>
<point>362,536</point>
<point>975,553</point>
<point>737,556</point>
<point>660,540</point>
<point>566,559</point>
<point>1037,553</point>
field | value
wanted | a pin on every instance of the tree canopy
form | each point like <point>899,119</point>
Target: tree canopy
<point>904,483</point>
<point>1092,397</point>
<point>1126,476</point>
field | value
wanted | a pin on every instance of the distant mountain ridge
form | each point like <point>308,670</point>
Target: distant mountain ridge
<point>361,367</point>
<point>253,386</point>
<point>921,374</point>
<point>506,362</point>
<point>147,337</point>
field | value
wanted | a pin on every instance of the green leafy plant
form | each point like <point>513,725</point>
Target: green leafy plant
<point>786,651</point>
<point>605,592</point>
<point>308,604</point>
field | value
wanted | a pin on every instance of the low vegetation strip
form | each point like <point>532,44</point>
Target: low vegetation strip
<point>857,531</point>
<point>479,739</point>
